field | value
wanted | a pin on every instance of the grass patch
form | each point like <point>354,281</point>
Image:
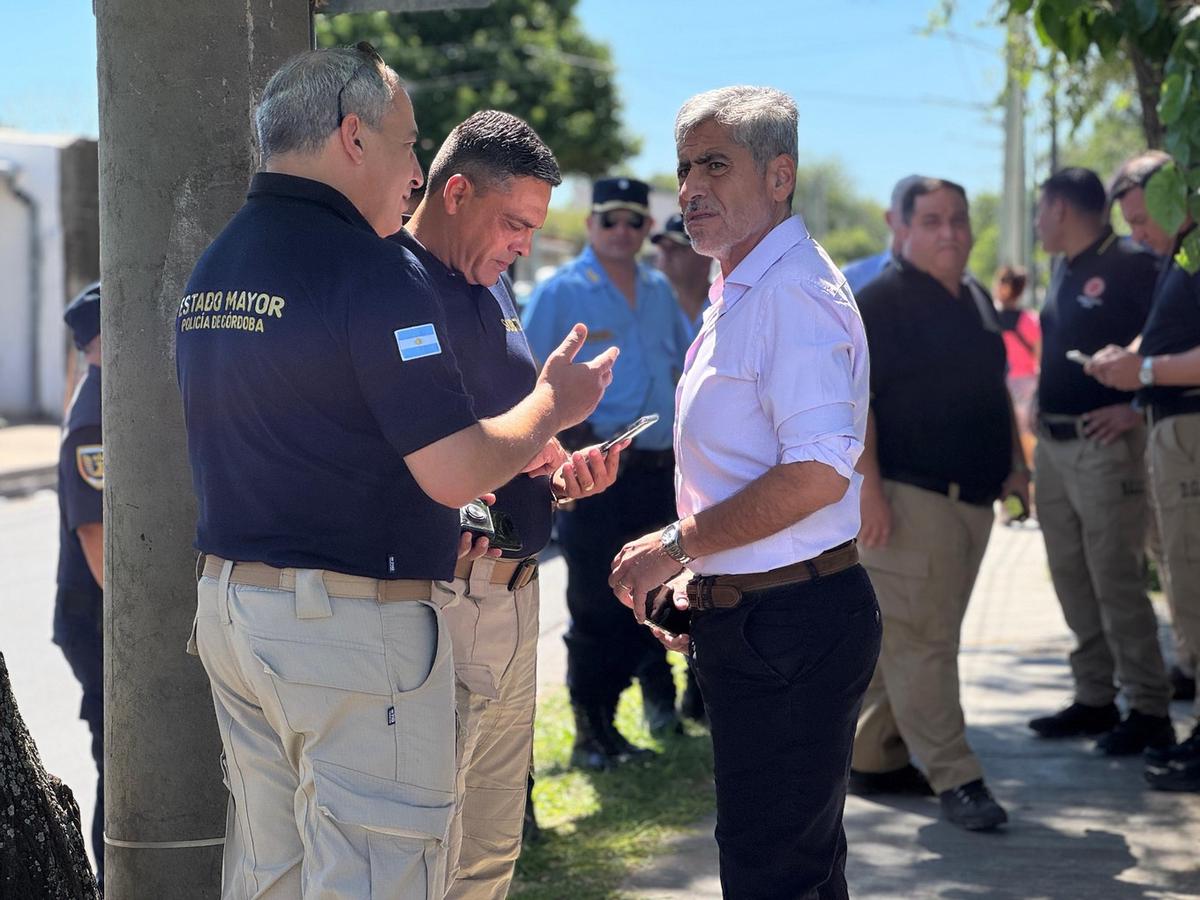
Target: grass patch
<point>598,826</point>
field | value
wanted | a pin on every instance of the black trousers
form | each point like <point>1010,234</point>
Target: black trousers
<point>77,630</point>
<point>783,676</point>
<point>606,648</point>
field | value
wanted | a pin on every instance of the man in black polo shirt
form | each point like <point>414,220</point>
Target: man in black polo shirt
<point>331,442</point>
<point>489,189</point>
<point>1165,370</point>
<point>1091,476</point>
<point>941,447</point>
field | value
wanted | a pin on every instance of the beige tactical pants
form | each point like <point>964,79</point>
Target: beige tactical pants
<point>1185,657</point>
<point>337,723</point>
<point>923,580</point>
<point>1174,463</point>
<point>1092,510</point>
<point>494,633</point>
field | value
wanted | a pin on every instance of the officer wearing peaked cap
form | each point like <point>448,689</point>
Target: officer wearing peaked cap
<point>79,604</point>
<point>630,305</point>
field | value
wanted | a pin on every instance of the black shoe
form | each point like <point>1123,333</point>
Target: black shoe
<point>972,806</point>
<point>1179,773</point>
<point>1156,756</point>
<point>661,719</point>
<point>1183,685</point>
<point>1137,732</point>
<point>593,749</point>
<point>1076,720</point>
<point>905,780</point>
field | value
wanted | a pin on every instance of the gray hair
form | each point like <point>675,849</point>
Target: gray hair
<point>761,119</point>
<point>1135,173</point>
<point>299,107</point>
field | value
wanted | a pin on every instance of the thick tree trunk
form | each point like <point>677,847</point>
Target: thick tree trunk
<point>41,845</point>
<point>1149,82</point>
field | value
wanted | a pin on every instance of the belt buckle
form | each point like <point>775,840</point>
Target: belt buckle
<point>522,574</point>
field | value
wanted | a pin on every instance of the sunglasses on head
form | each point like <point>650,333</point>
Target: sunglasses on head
<point>615,217</point>
<point>371,59</point>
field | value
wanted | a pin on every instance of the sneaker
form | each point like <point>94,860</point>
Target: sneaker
<point>1077,720</point>
<point>1136,732</point>
<point>1163,755</point>
<point>1180,773</point>
<point>906,780</point>
<point>1183,685</point>
<point>972,806</point>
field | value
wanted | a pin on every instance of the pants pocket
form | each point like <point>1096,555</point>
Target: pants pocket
<point>398,831</point>
<point>484,632</point>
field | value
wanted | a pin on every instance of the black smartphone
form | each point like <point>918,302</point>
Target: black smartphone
<point>494,524</point>
<point>630,432</point>
<point>661,610</point>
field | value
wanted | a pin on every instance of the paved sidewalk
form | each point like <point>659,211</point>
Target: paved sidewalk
<point>28,458</point>
<point>1081,826</point>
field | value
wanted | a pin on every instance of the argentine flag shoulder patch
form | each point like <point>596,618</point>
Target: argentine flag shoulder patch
<point>417,341</point>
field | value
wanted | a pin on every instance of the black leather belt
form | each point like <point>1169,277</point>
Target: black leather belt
<point>1062,429</point>
<point>1175,406</point>
<point>976,496</point>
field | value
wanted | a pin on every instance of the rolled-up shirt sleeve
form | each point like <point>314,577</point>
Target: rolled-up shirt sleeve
<point>806,375</point>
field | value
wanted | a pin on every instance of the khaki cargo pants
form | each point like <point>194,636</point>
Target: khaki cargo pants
<point>1092,511</point>
<point>337,722</point>
<point>1174,463</point>
<point>494,633</point>
<point>923,580</point>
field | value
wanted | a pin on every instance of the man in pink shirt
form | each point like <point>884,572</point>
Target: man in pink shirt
<point>770,420</point>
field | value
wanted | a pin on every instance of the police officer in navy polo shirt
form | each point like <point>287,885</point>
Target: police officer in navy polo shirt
<point>332,441</point>
<point>632,305</point>
<point>489,189</point>
<point>79,606</point>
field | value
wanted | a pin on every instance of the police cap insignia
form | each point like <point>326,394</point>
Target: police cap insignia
<point>89,460</point>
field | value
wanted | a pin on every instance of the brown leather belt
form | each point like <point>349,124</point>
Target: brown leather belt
<point>725,591</point>
<point>337,584</point>
<point>515,573</point>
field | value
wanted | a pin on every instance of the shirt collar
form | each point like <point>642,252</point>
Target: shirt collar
<point>1097,247</point>
<point>776,242</point>
<point>294,187</point>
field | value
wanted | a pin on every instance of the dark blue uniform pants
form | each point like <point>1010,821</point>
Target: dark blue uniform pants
<point>606,648</point>
<point>77,630</point>
<point>783,676</point>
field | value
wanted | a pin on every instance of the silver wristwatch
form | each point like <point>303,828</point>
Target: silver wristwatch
<point>1146,372</point>
<point>670,543</point>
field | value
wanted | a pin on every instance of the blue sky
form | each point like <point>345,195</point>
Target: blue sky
<point>873,92</point>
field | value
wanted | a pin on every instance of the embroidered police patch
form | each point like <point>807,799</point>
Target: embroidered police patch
<point>89,459</point>
<point>418,341</point>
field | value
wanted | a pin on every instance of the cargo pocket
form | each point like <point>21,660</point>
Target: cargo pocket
<point>484,633</point>
<point>403,827</point>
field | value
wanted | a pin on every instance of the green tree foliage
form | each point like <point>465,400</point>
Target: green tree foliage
<point>527,57</point>
<point>847,224</point>
<point>1160,39</point>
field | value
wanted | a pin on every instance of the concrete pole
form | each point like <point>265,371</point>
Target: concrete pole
<point>177,86</point>
<point>1014,219</point>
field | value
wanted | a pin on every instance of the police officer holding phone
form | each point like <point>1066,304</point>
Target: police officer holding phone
<point>631,305</point>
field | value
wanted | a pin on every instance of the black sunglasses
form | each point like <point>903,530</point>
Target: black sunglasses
<point>367,49</point>
<point>610,219</point>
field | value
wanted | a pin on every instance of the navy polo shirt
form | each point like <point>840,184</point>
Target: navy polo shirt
<point>80,483</point>
<point>937,380</point>
<point>1099,297</point>
<point>498,372</point>
<point>312,357</point>
<point>1173,325</point>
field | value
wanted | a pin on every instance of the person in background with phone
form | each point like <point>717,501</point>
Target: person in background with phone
<point>488,190</point>
<point>1091,474</point>
<point>1165,371</point>
<point>942,447</point>
<point>771,418</point>
<point>631,305</point>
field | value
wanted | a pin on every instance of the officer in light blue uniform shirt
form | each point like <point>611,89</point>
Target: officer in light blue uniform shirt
<point>631,306</point>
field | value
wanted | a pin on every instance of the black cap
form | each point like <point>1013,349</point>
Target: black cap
<point>83,315</point>
<point>621,193</point>
<point>673,231</point>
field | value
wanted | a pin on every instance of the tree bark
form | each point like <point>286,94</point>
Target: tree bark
<point>1149,82</point>
<point>41,844</point>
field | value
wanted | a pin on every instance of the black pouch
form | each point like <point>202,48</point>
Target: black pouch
<point>661,610</point>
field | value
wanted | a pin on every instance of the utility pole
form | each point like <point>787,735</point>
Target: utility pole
<point>1014,220</point>
<point>178,83</point>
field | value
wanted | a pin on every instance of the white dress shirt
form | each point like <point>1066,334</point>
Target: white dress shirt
<point>778,374</point>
